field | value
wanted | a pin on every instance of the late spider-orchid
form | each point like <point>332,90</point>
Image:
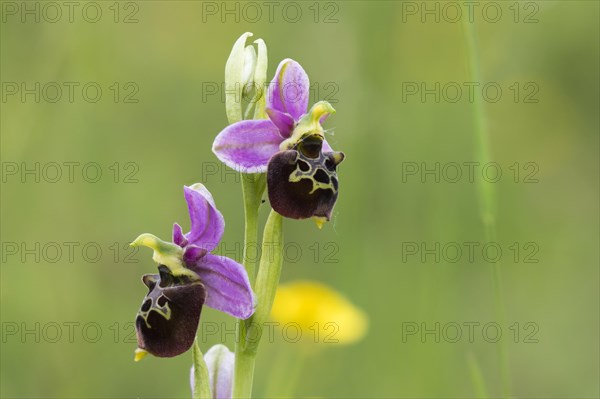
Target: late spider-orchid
<point>290,146</point>
<point>189,276</point>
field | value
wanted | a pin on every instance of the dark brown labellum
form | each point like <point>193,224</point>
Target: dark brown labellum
<point>167,321</point>
<point>303,181</point>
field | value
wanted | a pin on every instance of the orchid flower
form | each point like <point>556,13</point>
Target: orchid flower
<point>220,361</point>
<point>290,146</point>
<point>189,276</point>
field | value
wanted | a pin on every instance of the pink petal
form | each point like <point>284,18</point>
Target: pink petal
<point>247,146</point>
<point>227,285</point>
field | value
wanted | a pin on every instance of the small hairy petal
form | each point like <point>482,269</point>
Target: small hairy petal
<point>178,237</point>
<point>207,222</point>
<point>283,121</point>
<point>227,285</point>
<point>289,89</point>
<point>248,145</point>
<point>192,254</point>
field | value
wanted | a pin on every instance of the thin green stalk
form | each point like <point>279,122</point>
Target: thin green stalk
<point>249,331</point>
<point>477,377</point>
<point>252,190</point>
<point>487,196</point>
<point>253,187</point>
<point>267,279</point>
<point>201,378</point>
<point>243,374</point>
<point>292,376</point>
<point>279,360</point>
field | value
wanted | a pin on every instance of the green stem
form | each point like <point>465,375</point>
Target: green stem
<point>267,279</point>
<point>249,331</point>
<point>292,376</point>
<point>477,377</point>
<point>287,368</point>
<point>243,374</point>
<point>487,197</point>
<point>201,378</point>
<point>252,188</point>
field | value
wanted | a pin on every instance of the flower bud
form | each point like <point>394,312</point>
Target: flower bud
<point>220,363</point>
<point>245,73</point>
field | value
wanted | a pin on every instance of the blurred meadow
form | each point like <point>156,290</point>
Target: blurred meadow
<point>408,212</point>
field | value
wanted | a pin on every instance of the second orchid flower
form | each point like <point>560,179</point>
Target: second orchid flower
<point>189,277</point>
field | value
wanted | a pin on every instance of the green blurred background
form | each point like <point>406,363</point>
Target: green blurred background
<point>361,55</point>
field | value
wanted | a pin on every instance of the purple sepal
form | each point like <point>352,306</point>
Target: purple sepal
<point>207,223</point>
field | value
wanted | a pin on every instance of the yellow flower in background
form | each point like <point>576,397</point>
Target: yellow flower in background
<point>319,313</point>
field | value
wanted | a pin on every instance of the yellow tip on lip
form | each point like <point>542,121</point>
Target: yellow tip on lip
<point>139,355</point>
<point>319,221</point>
